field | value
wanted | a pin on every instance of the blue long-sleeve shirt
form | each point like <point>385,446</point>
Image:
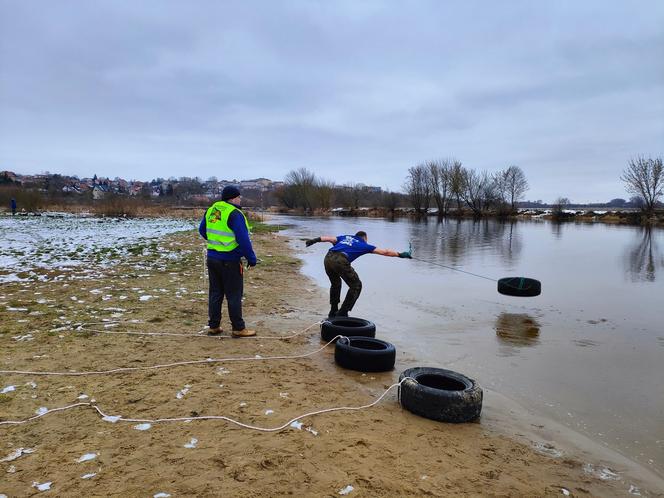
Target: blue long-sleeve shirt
<point>237,224</point>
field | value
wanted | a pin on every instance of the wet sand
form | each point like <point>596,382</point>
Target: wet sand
<point>381,451</point>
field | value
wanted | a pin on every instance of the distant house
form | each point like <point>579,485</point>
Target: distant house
<point>99,191</point>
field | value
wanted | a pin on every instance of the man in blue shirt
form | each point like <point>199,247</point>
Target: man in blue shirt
<point>226,229</point>
<point>345,250</point>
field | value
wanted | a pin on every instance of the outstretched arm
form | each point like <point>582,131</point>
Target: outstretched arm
<point>322,238</point>
<point>391,253</point>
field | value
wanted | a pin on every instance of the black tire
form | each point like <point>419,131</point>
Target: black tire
<point>348,326</point>
<point>440,394</point>
<point>519,286</point>
<point>365,354</point>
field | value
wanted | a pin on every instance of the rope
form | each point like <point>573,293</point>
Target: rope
<point>213,417</point>
<point>455,269</point>
<point>198,335</point>
<point>166,365</point>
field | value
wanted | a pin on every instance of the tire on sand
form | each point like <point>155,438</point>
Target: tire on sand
<point>347,326</point>
<point>440,394</point>
<point>364,354</point>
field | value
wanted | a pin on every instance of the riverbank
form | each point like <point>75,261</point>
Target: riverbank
<point>383,451</point>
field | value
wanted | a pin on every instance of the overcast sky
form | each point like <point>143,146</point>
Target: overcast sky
<point>356,91</point>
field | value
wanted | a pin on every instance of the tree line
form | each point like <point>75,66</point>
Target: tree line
<point>450,186</point>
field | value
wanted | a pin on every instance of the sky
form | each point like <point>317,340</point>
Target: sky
<point>355,91</point>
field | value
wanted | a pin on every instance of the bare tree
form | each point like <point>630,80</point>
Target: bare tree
<point>303,183</point>
<point>559,206</point>
<point>645,177</point>
<point>418,187</point>
<point>439,180</point>
<point>324,193</point>
<point>512,184</point>
<point>478,190</point>
<point>456,181</point>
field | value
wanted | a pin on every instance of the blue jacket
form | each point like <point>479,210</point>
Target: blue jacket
<point>236,223</point>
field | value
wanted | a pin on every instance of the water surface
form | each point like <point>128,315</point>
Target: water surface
<point>588,352</point>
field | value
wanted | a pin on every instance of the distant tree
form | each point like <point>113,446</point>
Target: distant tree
<point>616,202</point>
<point>478,191</point>
<point>456,179</point>
<point>302,183</point>
<point>645,177</point>
<point>418,187</point>
<point>324,193</point>
<point>511,185</point>
<point>439,177</point>
<point>390,200</point>
<point>558,207</point>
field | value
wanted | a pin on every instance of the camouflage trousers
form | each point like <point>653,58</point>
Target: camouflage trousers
<point>338,268</point>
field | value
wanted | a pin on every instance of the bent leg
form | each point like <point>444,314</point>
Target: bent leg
<point>349,275</point>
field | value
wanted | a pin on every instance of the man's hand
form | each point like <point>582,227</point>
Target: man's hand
<point>311,242</point>
<point>405,254</point>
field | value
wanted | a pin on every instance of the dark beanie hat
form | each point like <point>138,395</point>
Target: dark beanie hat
<point>229,192</point>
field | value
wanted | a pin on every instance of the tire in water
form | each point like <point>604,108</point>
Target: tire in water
<point>519,286</point>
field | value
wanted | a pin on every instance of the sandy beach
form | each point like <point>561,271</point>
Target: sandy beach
<point>77,326</point>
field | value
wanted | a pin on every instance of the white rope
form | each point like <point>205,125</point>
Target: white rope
<point>197,335</point>
<point>214,417</point>
<point>167,365</point>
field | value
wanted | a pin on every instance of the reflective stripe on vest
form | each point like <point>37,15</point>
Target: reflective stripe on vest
<point>220,236</point>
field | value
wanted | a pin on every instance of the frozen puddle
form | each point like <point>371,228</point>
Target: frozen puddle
<point>142,427</point>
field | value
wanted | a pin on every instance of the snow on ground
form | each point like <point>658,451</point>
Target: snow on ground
<point>31,244</point>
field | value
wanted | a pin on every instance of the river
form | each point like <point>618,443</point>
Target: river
<point>587,353</point>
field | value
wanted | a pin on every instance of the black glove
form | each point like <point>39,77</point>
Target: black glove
<point>311,242</point>
<point>251,263</point>
<point>405,254</point>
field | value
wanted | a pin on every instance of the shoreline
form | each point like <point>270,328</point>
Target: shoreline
<point>545,435</point>
<point>382,451</point>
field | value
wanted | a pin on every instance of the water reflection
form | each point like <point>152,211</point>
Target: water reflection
<point>516,330</point>
<point>644,257</point>
<point>456,241</point>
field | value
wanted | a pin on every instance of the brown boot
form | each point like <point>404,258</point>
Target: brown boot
<point>215,331</point>
<point>244,333</point>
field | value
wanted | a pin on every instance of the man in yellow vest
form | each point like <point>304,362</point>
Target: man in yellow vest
<point>226,229</point>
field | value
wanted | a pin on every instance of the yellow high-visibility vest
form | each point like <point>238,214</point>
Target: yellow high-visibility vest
<point>220,237</point>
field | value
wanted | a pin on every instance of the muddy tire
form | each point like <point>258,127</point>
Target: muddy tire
<point>519,286</point>
<point>440,394</point>
<point>347,326</point>
<point>364,354</point>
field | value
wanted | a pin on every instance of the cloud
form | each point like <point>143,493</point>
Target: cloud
<point>352,90</point>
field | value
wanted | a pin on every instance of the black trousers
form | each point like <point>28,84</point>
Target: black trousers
<point>338,268</point>
<point>225,280</point>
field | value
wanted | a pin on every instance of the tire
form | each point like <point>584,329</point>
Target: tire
<point>365,354</point>
<point>519,286</point>
<point>348,326</point>
<point>441,395</point>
